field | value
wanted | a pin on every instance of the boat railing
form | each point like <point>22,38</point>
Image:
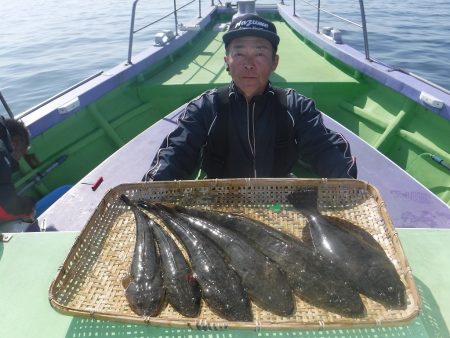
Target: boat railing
<point>319,9</point>
<point>363,26</point>
<point>174,13</point>
<point>6,106</point>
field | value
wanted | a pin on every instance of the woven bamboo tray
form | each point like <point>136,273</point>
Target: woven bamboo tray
<point>89,282</point>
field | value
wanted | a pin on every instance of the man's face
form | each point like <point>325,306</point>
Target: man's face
<point>251,61</point>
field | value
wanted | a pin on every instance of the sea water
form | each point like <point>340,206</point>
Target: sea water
<point>47,46</point>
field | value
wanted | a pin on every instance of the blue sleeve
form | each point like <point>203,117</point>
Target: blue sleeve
<point>326,151</point>
<point>178,157</point>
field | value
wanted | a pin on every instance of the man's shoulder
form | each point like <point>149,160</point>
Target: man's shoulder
<point>292,93</point>
<point>288,95</point>
<point>296,102</point>
<point>201,107</point>
<point>289,91</point>
<point>204,98</point>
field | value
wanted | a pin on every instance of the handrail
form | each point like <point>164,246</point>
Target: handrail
<point>363,21</point>
<point>174,12</point>
<point>5,104</point>
<point>363,24</point>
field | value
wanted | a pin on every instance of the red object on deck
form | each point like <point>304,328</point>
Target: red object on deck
<point>97,183</point>
<point>6,216</point>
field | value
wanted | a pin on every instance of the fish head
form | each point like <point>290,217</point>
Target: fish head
<point>389,289</point>
<point>133,294</point>
<point>141,301</point>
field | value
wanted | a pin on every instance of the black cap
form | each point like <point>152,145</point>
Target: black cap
<point>252,25</point>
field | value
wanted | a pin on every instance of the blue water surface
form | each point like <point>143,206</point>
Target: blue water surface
<point>49,45</point>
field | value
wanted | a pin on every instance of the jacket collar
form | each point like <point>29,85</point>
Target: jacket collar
<point>235,91</point>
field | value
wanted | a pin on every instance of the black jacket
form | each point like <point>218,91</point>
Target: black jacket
<point>11,205</point>
<point>251,139</point>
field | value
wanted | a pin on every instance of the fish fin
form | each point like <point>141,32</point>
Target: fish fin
<point>356,231</point>
<point>166,208</point>
<point>126,281</point>
<point>304,199</point>
<point>145,205</point>
<point>148,205</point>
<point>307,237</point>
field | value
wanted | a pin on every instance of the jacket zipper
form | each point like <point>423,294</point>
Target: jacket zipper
<point>252,147</point>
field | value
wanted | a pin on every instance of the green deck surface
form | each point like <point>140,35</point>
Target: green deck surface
<point>204,64</point>
<point>29,262</point>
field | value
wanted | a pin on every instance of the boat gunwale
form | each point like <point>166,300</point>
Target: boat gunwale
<point>46,116</point>
<point>399,81</point>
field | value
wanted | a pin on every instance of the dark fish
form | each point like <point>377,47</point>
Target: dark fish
<point>313,277</point>
<point>364,264</point>
<point>221,286</point>
<point>266,284</point>
<point>347,226</point>
<point>182,289</point>
<point>144,286</point>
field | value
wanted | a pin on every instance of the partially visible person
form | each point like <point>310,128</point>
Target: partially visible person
<point>14,143</point>
<point>251,128</point>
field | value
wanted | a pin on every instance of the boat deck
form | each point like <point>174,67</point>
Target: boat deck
<point>30,262</point>
<point>201,67</point>
<point>203,63</point>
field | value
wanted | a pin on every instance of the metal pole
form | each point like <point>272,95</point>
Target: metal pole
<point>364,27</point>
<point>318,15</point>
<point>5,104</point>
<point>294,9</point>
<point>199,8</point>
<point>176,16</point>
<point>130,40</point>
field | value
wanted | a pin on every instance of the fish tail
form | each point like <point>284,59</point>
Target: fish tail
<point>126,200</point>
<point>156,208</point>
<point>304,199</point>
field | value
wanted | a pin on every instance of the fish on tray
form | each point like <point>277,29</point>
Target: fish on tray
<point>313,277</point>
<point>182,289</point>
<point>144,288</point>
<point>221,286</point>
<point>264,281</point>
<point>362,262</point>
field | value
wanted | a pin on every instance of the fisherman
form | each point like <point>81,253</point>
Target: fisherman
<point>251,128</point>
<point>14,143</point>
